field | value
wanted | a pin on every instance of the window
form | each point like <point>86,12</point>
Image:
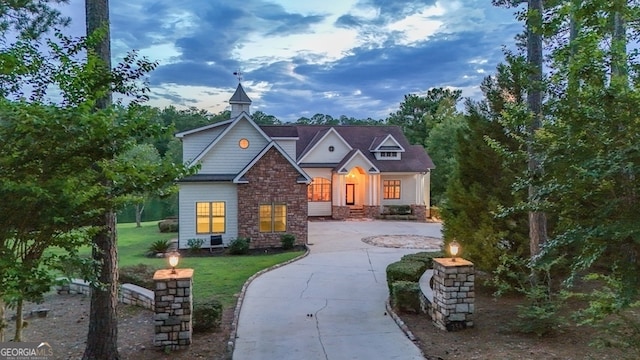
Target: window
<point>273,218</point>
<point>243,143</point>
<point>389,154</point>
<point>391,189</point>
<point>210,217</point>
<point>319,190</point>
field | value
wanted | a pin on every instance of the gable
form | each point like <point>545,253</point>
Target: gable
<point>193,144</point>
<point>275,151</point>
<point>225,156</point>
<point>390,144</point>
<point>330,148</point>
<point>356,159</point>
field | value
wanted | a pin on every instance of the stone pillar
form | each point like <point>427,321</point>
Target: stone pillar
<point>173,307</point>
<point>453,293</point>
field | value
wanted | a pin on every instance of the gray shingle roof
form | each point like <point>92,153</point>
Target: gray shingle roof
<point>240,97</point>
<point>414,159</point>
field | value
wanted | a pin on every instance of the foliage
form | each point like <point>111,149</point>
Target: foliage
<point>160,246</point>
<point>206,315</point>
<point>239,246</point>
<point>425,257</point>
<point>539,314</point>
<point>139,274</point>
<point>405,270</point>
<point>488,162</point>
<point>168,225</point>
<point>195,245</point>
<point>287,240</point>
<point>405,296</point>
<point>617,323</point>
<point>32,18</point>
<point>396,210</point>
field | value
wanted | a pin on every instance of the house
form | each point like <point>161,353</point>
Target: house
<point>260,182</point>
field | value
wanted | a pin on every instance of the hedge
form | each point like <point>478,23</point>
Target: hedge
<point>425,257</point>
<point>405,270</point>
<point>405,296</point>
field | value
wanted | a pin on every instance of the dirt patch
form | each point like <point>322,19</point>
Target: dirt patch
<point>66,325</point>
<point>493,337</point>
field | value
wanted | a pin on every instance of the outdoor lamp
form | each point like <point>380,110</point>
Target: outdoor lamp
<point>454,248</point>
<point>174,258</point>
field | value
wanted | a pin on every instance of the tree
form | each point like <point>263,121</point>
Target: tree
<point>413,114</point>
<point>261,118</point>
<point>102,339</point>
<point>591,160</point>
<point>480,187</point>
<point>28,20</point>
<point>144,157</point>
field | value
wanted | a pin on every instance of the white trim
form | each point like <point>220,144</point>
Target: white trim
<point>296,138</point>
<point>182,134</point>
<point>331,129</point>
<point>272,144</point>
<point>358,152</point>
<point>242,115</point>
<point>384,140</point>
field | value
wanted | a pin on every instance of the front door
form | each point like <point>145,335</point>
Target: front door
<point>351,194</point>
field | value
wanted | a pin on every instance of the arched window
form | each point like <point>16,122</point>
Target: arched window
<point>319,190</point>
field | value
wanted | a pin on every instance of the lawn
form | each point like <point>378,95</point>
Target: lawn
<point>220,276</point>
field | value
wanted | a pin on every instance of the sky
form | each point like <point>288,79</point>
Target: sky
<point>302,57</point>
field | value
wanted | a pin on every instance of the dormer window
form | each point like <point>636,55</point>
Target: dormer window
<point>388,155</point>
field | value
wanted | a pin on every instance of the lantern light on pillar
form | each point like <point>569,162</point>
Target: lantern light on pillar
<point>174,258</point>
<point>454,248</point>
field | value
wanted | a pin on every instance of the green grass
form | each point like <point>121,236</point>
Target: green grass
<point>221,277</point>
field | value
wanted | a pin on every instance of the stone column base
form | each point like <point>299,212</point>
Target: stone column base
<point>340,212</point>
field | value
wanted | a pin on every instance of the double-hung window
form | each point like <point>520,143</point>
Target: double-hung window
<point>391,189</point>
<point>210,217</point>
<point>273,217</point>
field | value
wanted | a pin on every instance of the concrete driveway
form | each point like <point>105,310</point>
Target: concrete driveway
<point>330,304</point>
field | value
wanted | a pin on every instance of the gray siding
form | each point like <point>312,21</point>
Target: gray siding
<point>192,145</point>
<point>226,157</point>
<point>190,193</point>
<point>289,146</point>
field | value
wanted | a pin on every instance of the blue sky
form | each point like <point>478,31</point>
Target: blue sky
<point>301,57</point>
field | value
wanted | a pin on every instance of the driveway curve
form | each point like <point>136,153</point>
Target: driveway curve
<point>329,305</point>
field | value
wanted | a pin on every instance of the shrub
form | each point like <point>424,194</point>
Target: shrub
<point>168,225</point>
<point>239,246</point>
<point>195,245</point>
<point>140,274</point>
<point>287,241</point>
<point>159,246</point>
<point>207,315</point>
<point>425,257</point>
<point>405,271</point>
<point>405,296</point>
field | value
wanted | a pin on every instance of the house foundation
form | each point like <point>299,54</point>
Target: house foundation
<point>340,212</point>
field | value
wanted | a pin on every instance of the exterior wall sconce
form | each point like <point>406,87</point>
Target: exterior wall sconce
<point>454,248</point>
<point>174,258</point>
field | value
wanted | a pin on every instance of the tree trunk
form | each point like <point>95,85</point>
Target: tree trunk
<point>3,323</point>
<point>17,336</point>
<point>102,339</point>
<point>537,219</point>
<point>139,210</point>
<point>619,44</point>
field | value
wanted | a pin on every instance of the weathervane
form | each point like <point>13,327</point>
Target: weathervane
<point>238,74</point>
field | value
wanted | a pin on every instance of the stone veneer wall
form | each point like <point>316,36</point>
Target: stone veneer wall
<point>453,294</point>
<point>371,212</point>
<point>420,212</point>
<point>272,180</point>
<point>129,294</point>
<point>340,212</point>
<point>173,308</point>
